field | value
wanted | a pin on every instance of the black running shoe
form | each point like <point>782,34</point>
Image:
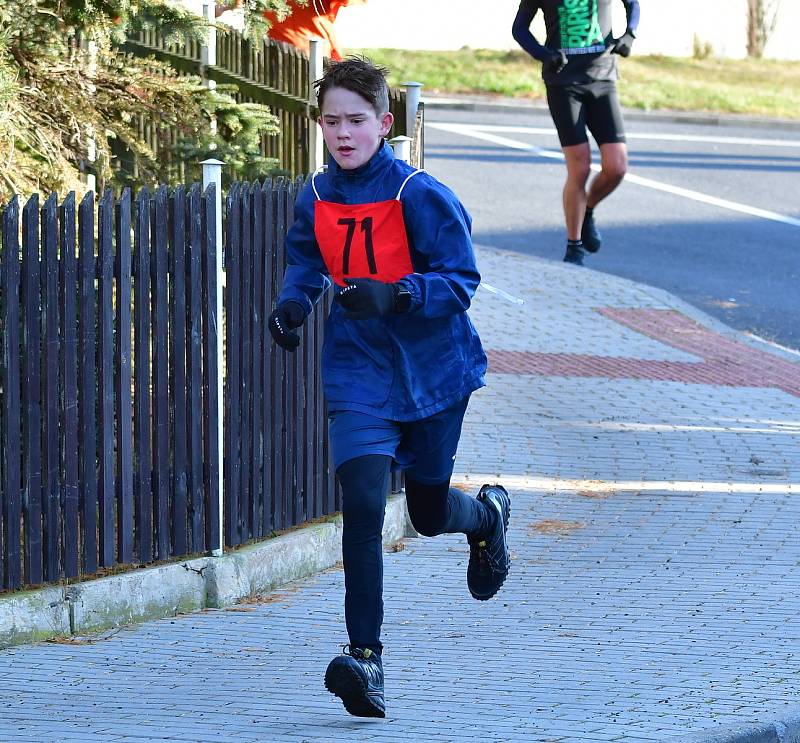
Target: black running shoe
<point>592,239</point>
<point>489,560</point>
<point>574,255</point>
<point>356,677</point>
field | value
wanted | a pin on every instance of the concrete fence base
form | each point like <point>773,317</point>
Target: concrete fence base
<point>190,585</point>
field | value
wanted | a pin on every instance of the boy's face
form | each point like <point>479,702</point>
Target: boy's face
<point>351,128</point>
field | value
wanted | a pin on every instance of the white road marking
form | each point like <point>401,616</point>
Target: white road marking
<point>773,344</point>
<point>550,484</point>
<point>750,141</point>
<point>505,295</point>
<point>753,211</point>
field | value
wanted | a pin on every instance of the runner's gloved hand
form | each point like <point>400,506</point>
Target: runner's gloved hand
<point>623,44</point>
<point>555,61</point>
<point>285,318</point>
<point>365,298</point>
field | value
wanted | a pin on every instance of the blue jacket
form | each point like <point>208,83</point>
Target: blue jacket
<point>407,366</point>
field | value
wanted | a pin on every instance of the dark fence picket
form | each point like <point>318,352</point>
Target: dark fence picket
<point>10,403</point>
<point>292,392</point>
<point>315,422</point>
<point>31,392</point>
<point>124,401</point>
<point>306,463</point>
<point>397,109</point>
<point>194,369</point>
<point>256,323</point>
<point>87,381</point>
<point>246,369</point>
<point>106,381</point>
<point>280,388</point>
<point>178,371</point>
<point>273,368</point>
<point>311,465</point>
<point>300,411</point>
<point>159,268</point>
<point>69,429</point>
<point>320,423</point>
<point>142,485</point>
<point>232,367</point>
<point>51,497</point>
<point>330,503</point>
<point>211,349</point>
<point>268,297</point>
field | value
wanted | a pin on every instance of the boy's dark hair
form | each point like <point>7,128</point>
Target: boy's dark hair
<point>358,75</point>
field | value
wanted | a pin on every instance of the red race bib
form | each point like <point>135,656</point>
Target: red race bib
<point>363,240</point>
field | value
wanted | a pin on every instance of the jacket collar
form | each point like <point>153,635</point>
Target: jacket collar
<point>368,170</point>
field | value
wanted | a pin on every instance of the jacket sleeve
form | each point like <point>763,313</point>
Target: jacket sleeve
<point>306,277</point>
<point>521,29</point>
<point>438,228</point>
<point>632,14</point>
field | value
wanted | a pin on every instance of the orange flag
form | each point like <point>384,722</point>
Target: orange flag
<point>315,19</point>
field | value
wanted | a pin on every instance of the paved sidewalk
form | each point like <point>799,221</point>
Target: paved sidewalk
<point>653,461</point>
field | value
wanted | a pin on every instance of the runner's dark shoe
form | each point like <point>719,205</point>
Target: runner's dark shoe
<point>489,559</point>
<point>356,677</point>
<point>574,255</point>
<point>592,239</point>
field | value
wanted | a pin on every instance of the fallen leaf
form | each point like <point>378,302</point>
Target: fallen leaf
<point>596,493</point>
<point>556,526</point>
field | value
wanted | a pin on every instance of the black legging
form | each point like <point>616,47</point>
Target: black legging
<point>434,509</point>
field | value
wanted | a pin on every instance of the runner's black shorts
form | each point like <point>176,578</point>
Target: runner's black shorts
<point>581,106</point>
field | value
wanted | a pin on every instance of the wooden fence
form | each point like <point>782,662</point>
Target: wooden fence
<point>277,460</point>
<point>266,71</point>
<point>108,404</point>
<point>109,390</point>
<point>108,384</point>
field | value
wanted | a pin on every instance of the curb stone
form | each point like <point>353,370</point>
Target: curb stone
<point>182,587</point>
<point>786,731</point>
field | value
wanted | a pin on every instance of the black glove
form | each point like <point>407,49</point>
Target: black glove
<point>623,44</point>
<point>555,61</point>
<point>365,298</point>
<point>285,318</point>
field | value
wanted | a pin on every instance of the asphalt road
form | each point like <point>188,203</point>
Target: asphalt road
<point>710,213</point>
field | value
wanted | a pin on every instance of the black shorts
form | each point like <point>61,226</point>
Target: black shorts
<point>424,448</point>
<point>579,106</point>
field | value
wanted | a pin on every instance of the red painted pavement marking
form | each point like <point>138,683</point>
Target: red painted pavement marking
<point>725,362</point>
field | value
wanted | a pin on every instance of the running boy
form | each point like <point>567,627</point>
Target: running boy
<point>400,357</point>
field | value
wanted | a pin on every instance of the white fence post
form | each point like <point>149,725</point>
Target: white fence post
<point>402,148</point>
<point>208,51</point>
<point>208,55</point>
<point>316,153</point>
<point>212,173</point>
<point>413,95</point>
<point>91,142</point>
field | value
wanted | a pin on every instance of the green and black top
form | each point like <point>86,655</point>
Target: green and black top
<point>579,28</point>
